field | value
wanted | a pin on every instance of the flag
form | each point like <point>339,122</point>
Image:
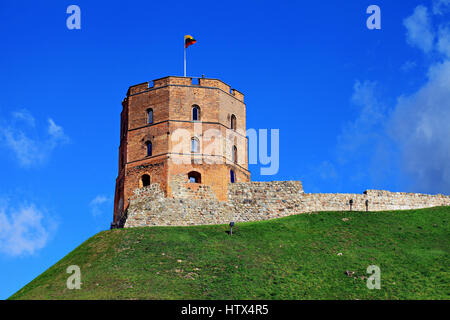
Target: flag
<point>188,40</point>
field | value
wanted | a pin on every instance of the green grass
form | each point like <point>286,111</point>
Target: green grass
<point>288,258</point>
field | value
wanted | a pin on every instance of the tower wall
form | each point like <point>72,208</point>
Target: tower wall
<point>171,100</point>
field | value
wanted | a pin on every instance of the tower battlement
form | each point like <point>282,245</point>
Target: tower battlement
<point>185,81</point>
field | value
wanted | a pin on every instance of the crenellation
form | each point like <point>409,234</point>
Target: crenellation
<point>238,95</point>
<point>138,88</point>
<point>172,80</point>
<point>214,83</point>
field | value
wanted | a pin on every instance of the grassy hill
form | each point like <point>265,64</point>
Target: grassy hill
<point>288,258</point>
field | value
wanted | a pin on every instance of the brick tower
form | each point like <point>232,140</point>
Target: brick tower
<point>177,129</point>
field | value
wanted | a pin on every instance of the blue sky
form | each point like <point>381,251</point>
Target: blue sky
<point>356,108</point>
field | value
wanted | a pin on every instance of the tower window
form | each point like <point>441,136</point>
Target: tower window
<point>149,148</point>
<point>195,145</point>
<point>145,180</point>
<point>234,155</point>
<point>232,176</point>
<point>195,113</point>
<point>195,177</point>
<point>233,122</point>
<point>149,116</point>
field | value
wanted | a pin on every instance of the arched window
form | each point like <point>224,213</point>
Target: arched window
<point>145,180</point>
<point>234,155</point>
<point>195,113</point>
<point>233,122</point>
<point>149,116</point>
<point>195,145</point>
<point>195,177</point>
<point>149,148</point>
<point>232,176</point>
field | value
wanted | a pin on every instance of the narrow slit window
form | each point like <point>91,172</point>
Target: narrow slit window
<point>234,154</point>
<point>232,176</point>
<point>195,113</point>
<point>233,122</point>
<point>149,116</point>
<point>149,148</point>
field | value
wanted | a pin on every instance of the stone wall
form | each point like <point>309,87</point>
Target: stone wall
<point>196,204</point>
<point>150,207</point>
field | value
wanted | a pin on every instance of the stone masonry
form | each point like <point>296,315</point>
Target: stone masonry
<point>196,204</point>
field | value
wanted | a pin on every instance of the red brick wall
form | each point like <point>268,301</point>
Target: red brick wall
<point>172,99</point>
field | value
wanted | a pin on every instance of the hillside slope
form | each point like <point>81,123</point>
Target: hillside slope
<point>288,258</point>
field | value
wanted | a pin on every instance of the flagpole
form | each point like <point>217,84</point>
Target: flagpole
<point>185,60</point>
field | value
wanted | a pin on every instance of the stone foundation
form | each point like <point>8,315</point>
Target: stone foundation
<point>196,204</point>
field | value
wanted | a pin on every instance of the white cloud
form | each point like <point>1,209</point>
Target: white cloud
<point>443,44</point>
<point>56,131</point>
<point>25,116</point>
<point>408,143</point>
<point>24,231</point>
<point>408,66</point>
<point>420,124</point>
<point>441,6</point>
<point>326,171</point>
<point>419,30</point>
<point>363,131</point>
<point>25,149</point>
<point>417,131</point>
<point>29,148</point>
<point>97,204</point>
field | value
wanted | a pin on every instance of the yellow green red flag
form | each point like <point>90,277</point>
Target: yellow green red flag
<point>188,40</point>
